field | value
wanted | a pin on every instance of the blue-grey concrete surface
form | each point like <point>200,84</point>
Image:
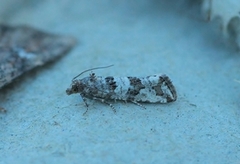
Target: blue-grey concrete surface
<point>44,125</point>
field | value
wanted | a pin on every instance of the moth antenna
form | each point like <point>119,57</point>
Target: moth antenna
<point>91,70</point>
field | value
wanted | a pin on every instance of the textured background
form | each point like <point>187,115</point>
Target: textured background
<point>44,125</point>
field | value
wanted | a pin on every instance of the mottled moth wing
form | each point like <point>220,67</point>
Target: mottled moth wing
<point>23,48</point>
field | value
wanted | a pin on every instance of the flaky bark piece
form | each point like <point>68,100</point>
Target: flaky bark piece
<point>22,48</point>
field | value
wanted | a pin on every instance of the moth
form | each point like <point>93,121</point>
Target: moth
<point>150,89</point>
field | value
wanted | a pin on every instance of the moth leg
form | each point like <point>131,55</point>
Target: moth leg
<point>85,102</point>
<point>136,103</point>
<point>104,101</point>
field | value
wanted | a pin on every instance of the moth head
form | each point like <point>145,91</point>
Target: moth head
<point>79,85</point>
<point>76,87</point>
